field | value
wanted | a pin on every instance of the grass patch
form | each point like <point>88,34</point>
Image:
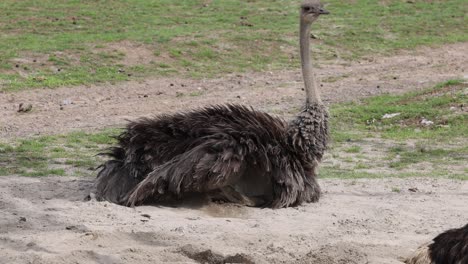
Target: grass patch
<point>365,144</point>
<point>59,43</point>
<point>353,149</point>
<point>339,173</point>
<point>333,172</point>
<point>436,156</point>
<point>442,105</point>
<point>63,155</point>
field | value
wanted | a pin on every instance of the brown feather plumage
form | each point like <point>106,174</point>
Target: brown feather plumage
<point>216,147</point>
<point>449,247</point>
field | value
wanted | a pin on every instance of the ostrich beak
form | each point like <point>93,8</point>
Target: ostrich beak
<point>323,11</point>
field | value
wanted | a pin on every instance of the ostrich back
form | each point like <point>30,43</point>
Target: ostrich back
<point>207,150</point>
<point>449,247</point>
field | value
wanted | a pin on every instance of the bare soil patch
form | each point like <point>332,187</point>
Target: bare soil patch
<point>132,53</point>
<point>45,220</point>
<point>98,106</point>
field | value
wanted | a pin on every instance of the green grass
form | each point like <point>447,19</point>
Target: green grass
<point>442,105</point>
<point>405,146</point>
<point>353,149</point>
<point>193,40</point>
<point>437,156</point>
<point>327,172</point>
<point>72,154</point>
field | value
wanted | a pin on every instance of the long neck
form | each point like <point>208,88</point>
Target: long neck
<point>312,92</point>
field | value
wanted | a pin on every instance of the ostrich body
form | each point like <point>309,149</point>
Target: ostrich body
<point>231,152</point>
<point>449,247</point>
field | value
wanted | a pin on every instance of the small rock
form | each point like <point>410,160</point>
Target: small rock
<point>31,244</point>
<point>426,122</point>
<point>22,108</point>
<point>386,116</point>
<point>77,228</point>
<point>413,189</point>
<point>146,215</point>
<point>22,219</point>
<point>179,229</point>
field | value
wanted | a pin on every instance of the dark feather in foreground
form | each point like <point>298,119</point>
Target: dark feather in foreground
<point>450,247</point>
<point>240,154</point>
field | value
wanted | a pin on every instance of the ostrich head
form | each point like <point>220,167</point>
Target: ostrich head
<point>310,11</point>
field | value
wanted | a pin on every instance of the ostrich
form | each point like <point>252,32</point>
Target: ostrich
<point>230,152</point>
<point>450,247</point>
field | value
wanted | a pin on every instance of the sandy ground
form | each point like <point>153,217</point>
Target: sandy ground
<point>357,221</point>
<point>46,220</point>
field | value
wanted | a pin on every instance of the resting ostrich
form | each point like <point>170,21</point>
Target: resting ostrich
<point>230,152</point>
<point>450,247</point>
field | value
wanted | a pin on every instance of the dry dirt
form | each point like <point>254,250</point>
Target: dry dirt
<point>46,220</point>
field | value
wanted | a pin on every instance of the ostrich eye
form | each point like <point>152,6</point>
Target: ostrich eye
<point>307,9</point>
